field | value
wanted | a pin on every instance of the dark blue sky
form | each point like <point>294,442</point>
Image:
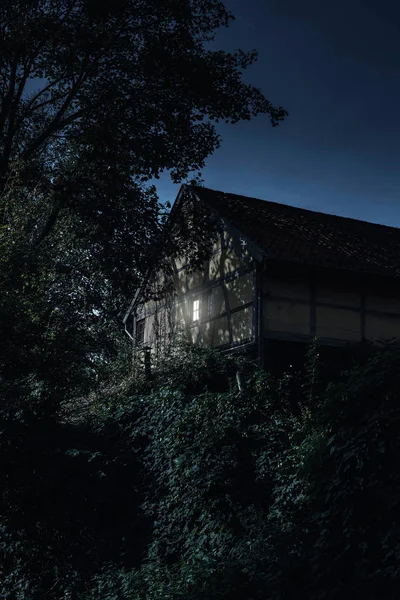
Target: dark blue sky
<point>336,68</point>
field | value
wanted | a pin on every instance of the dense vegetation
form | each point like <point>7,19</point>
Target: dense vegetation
<point>96,100</point>
<point>187,487</point>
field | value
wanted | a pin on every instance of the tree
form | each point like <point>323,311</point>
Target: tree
<point>97,99</point>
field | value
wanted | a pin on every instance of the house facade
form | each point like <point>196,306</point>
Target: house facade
<point>275,277</point>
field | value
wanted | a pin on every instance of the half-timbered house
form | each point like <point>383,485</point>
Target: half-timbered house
<point>275,277</point>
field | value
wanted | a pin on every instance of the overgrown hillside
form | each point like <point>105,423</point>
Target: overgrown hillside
<point>187,487</point>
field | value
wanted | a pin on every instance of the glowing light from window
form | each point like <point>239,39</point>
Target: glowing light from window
<point>196,310</point>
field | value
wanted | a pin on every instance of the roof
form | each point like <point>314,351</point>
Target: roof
<point>312,238</point>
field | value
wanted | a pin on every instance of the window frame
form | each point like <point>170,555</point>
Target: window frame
<point>140,330</point>
<point>196,310</point>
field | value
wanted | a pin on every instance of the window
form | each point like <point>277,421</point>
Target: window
<point>209,304</point>
<point>140,331</point>
<point>196,310</point>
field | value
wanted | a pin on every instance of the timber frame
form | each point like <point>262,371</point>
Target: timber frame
<point>251,322</point>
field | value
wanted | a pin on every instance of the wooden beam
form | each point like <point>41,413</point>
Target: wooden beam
<point>225,294</point>
<point>228,312</point>
<point>299,337</point>
<point>317,303</point>
<point>135,299</point>
<point>329,274</point>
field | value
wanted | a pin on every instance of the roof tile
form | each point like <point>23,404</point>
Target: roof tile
<point>314,238</point>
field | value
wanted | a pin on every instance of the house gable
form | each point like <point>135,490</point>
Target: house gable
<point>277,274</point>
<point>212,305</point>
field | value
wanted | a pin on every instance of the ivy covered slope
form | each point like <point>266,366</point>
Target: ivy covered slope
<point>268,492</point>
<point>187,487</point>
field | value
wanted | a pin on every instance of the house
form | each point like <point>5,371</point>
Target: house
<point>275,276</point>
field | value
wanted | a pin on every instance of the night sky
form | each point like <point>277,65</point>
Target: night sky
<point>336,68</point>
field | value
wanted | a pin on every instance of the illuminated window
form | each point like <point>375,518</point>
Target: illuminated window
<point>196,310</point>
<point>140,331</point>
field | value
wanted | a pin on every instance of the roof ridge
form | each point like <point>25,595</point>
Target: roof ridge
<point>298,208</point>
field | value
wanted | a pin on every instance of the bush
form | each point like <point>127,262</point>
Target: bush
<point>186,486</point>
<point>215,465</point>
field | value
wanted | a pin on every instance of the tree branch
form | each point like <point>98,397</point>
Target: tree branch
<point>8,97</point>
<point>40,93</point>
<point>59,205</point>
<point>11,129</point>
<point>55,124</point>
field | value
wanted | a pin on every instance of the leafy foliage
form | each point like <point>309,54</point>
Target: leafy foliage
<point>354,491</point>
<point>251,498</point>
<point>185,486</point>
<point>96,100</point>
<point>69,504</point>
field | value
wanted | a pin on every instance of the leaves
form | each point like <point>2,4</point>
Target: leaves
<point>96,100</point>
<point>224,494</point>
<point>96,103</point>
